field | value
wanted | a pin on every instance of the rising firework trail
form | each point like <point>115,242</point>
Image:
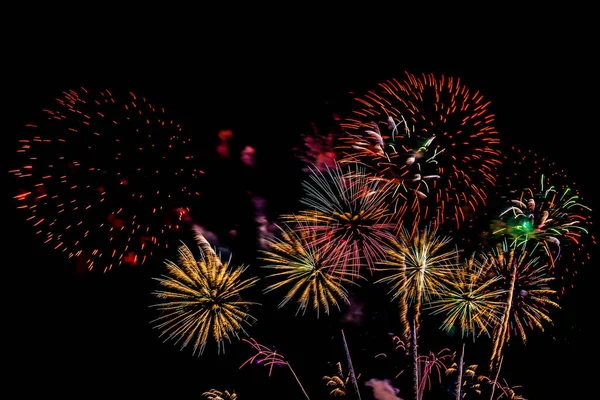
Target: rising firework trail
<point>527,294</point>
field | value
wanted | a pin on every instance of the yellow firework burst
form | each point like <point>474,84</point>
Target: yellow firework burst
<point>416,268</point>
<point>306,269</point>
<point>528,294</point>
<point>201,298</point>
<point>418,265</point>
<point>470,300</point>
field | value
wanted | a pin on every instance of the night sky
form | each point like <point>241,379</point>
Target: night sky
<point>78,335</point>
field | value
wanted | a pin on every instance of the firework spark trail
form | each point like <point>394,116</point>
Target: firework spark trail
<point>434,138</point>
<point>416,268</point>
<point>351,373</point>
<point>548,219</point>
<point>307,269</point>
<point>214,394</point>
<point>269,358</point>
<point>433,362</point>
<point>470,300</point>
<point>544,208</point>
<point>201,298</point>
<point>337,384</point>
<point>399,345</point>
<point>101,175</point>
<point>466,379</point>
<point>349,212</point>
<point>506,391</point>
<point>527,294</point>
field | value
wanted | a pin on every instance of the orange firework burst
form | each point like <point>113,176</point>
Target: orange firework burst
<point>434,138</point>
<point>104,177</point>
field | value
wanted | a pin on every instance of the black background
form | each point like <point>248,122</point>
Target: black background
<point>88,335</point>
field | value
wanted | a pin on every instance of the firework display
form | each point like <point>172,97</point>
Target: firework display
<point>105,177</point>
<point>412,219</point>
<point>470,300</point>
<point>431,136</point>
<point>309,273</point>
<point>418,266</point>
<point>527,293</point>
<point>349,213</point>
<point>542,207</point>
<point>545,216</point>
<point>201,298</point>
